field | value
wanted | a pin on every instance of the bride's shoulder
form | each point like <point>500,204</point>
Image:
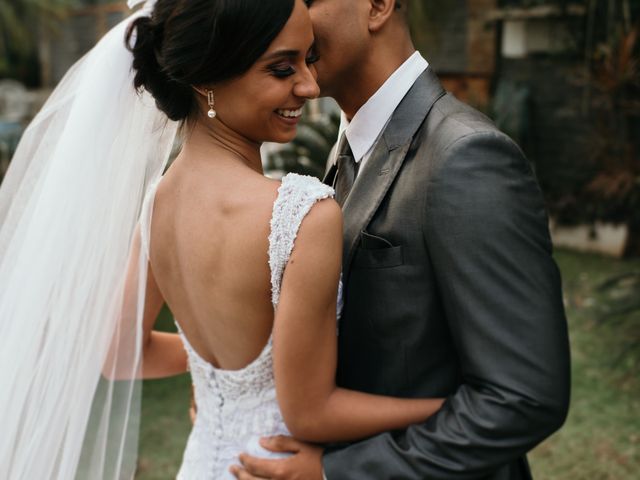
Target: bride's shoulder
<point>301,197</point>
<point>305,185</point>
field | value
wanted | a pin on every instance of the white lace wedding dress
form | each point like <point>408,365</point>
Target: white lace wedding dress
<point>237,407</point>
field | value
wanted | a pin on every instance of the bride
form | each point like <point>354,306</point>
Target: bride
<point>94,240</point>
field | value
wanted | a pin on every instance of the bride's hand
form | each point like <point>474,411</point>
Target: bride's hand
<point>193,406</point>
<point>304,464</point>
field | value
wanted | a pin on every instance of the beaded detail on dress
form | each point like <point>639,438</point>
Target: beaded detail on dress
<point>237,407</point>
<point>296,196</point>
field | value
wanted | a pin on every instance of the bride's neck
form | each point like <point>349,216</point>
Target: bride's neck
<point>204,140</point>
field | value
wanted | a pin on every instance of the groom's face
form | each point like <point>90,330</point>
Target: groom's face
<point>341,32</point>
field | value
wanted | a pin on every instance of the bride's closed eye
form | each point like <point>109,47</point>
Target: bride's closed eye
<point>285,69</point>
<point>281,70</point>
<point>312,58</point>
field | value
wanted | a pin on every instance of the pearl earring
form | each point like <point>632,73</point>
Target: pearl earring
<point>211,101</point>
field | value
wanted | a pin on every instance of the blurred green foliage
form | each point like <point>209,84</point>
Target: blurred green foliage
<point>22,24</point>
<point>307,154</point>
<point>426,19</point>
<point>610,173</point>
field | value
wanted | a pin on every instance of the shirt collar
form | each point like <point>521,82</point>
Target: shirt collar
<point>371,119</point>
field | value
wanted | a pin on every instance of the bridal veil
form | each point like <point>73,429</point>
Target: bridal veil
<point>72,283</point>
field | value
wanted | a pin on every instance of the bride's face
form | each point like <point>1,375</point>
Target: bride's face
<point>264,104</point>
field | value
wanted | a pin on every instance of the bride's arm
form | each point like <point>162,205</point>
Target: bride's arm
<point>163,353</point>
<point>305,346</point>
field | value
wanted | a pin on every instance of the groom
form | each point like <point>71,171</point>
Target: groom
<point>450,287</point>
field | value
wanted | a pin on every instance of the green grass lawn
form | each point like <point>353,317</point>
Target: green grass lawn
<point>165,421</point>
<point>600,441</point>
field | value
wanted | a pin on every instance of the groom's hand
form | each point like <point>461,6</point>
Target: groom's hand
<point>304,464</point>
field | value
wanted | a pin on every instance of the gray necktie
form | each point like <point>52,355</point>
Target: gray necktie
<point>347,171</point>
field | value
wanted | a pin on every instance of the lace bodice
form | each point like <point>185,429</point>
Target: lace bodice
<point>237,407</point>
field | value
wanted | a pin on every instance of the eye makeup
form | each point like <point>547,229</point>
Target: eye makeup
<point>286,69</point>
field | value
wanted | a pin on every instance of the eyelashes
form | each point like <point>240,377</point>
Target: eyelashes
<point>286,70</point>
<point>312,58</point>
<point>281,72</point>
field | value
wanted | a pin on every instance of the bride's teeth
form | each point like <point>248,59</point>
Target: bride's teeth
<point>290,113</point>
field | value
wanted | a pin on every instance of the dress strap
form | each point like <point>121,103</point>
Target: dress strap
<point>296,195</point>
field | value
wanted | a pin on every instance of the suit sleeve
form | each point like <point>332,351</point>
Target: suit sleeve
<point>486,230</point>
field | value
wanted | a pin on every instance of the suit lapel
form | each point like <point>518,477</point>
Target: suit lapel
<point>378,174</point>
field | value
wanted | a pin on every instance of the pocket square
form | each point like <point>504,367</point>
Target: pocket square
<point>369,241</point>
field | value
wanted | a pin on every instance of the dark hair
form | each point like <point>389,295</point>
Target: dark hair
<point>187,43</point>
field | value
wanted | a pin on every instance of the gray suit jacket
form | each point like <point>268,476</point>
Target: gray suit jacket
<point>450,291</point>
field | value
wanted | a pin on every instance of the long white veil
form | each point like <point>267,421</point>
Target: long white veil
<point>70,315</point>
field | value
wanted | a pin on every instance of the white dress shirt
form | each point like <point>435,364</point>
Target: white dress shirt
<point>369,122</point>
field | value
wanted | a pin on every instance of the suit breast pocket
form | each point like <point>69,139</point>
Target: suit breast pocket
<point>377,252</point>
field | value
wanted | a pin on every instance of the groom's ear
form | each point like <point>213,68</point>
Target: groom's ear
<point>380,12</point>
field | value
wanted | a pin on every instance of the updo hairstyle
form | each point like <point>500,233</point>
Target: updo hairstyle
<point>187,43</point>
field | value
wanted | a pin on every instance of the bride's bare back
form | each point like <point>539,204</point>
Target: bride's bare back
<point>209,255</point>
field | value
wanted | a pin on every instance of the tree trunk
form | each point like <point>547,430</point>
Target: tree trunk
<point>632,248</point>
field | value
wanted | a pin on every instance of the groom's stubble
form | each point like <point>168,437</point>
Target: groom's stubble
<point>360,43</point>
